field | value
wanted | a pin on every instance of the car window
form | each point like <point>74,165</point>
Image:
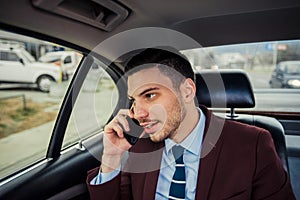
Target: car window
<point>293,68</point>
<point>93,107</point>
<point>12,57</point>
<point>68,60</point>
<point>30,99</point>
<point>274,90</point>
<point>7,56</point>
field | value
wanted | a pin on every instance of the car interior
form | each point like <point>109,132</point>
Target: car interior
<point>233,91</point>
<point>102,31</point>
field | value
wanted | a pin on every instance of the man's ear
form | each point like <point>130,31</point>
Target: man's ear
<point>188,89</point>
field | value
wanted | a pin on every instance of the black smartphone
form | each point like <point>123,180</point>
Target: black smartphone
<point>136,130</point>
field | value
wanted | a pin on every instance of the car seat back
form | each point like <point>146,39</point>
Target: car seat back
<point>220,89</point>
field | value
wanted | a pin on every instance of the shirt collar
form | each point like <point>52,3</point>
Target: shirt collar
<point>190,143</point>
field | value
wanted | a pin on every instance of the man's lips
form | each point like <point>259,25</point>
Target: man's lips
<point>148,125</point>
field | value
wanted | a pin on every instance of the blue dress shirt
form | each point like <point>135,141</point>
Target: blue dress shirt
<point>191,158</point>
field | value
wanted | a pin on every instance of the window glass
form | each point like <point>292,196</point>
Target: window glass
<point>9,56</point>
<point>281,67</point>
<point>30,98</point>
<point>94,105</point>
<point>67,60</point>
<point>273,69</point>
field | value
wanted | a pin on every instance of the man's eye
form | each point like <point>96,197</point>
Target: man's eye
<point>150,96</point>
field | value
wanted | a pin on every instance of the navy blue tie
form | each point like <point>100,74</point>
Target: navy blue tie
<point>177,189</point>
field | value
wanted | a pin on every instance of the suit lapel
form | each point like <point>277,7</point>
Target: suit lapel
<point>152,168</point>
<point>150,185</point>
<point>211,148</point>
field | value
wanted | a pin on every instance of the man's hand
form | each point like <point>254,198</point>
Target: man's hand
<point>114,142</point>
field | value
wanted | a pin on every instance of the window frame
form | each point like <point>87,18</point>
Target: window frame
<point>57,138</point>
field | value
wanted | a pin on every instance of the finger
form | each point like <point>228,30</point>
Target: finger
<point>124,112</point>
<point>114,128</point>
<point>121,119</point>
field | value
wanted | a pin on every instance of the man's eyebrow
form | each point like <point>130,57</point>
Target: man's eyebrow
<point>144,92</point>
<point>148,90</point>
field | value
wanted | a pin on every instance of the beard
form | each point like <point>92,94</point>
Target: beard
<point>175,115</point>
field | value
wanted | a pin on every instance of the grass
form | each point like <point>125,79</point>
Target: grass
<point>15,118</point>
<point>22,113</point>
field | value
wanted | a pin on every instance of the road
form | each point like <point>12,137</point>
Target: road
<point>286,100</point>
<point>259,80</point>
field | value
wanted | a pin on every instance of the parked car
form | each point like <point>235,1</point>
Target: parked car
<point>50,160</point>
<point>67,60</point>
<point>18,66</point>
<point>286,75</point>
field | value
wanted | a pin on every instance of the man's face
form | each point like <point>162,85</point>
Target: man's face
<point>156,104</point>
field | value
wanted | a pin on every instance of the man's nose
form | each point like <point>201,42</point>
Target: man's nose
<point>140,111</point>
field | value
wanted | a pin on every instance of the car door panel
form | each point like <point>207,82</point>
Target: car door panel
<point>12,71</point>
<point>63,177</point>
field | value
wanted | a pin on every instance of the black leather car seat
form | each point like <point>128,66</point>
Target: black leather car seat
<point>220,89</point>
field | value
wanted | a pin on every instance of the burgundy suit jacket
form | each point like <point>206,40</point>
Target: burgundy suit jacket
<point>238,162</point>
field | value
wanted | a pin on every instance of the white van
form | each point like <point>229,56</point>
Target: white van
<point>67,60</point>
<point>19,66</point>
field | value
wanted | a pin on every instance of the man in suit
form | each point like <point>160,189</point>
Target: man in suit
<point>220,159</point>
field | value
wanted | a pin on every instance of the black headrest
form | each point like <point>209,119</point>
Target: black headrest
<point>224,89</point>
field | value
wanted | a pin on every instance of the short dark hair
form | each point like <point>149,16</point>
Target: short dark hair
<point>166,60</point>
